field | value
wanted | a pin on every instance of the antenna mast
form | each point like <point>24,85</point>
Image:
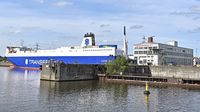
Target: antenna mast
<point>37,46</point>
<point>125,47</point>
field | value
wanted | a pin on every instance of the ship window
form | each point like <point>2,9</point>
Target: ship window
<point>140,47</point>
<point>136,52</point>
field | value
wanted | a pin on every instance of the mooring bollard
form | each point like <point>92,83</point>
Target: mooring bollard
<point>147,92</point>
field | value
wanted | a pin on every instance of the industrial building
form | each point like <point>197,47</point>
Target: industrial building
<point>152,53</point>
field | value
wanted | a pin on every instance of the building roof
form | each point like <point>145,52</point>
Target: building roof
<point>145,43</point>
<point>151,43</point>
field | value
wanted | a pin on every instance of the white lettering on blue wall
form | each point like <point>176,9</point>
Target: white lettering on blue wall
<point>37,62</point>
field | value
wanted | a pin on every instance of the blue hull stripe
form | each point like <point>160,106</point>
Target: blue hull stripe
<point>35,62</point>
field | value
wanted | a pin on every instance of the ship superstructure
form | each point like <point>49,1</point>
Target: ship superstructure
<point>87,53</point>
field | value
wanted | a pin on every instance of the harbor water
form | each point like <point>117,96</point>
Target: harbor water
<point>22,91</point>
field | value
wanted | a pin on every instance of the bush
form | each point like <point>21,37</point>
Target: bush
<point>117,66</point>
<point>3,59</point>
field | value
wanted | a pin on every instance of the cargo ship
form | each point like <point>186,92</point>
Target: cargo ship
<point>87,53</point>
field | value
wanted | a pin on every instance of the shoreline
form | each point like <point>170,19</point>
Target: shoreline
<point>154,84</point>
<point>6,64</point>
<point>151,83</point>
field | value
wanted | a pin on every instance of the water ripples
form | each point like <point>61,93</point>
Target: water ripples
<point>22,91</point>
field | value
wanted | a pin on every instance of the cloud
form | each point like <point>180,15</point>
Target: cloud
<point>184,13</point>
<point>193,11</point>
<point>107,31</point>
<point>40,1</point>
<point>29,28</point>
<point>62,4</point>
<point>196,30</point>
<point>11,30</point>
<point>195,8</point>
<point>49,22</point>
<point>136,27</point>
<point>104,25</point>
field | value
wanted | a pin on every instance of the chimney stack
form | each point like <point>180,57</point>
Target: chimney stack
<point>150,39</point>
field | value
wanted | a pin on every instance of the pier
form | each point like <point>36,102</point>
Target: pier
<point>183,76</point>
<point>155,75</point>
<point>59,71</point>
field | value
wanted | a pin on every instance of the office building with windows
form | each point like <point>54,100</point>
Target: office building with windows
<point>152,53</point>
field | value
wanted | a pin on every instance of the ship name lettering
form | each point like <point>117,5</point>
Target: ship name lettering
<point>38,62</point>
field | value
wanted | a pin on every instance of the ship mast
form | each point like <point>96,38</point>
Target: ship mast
<point>22,43</point>
<point>36,46</point>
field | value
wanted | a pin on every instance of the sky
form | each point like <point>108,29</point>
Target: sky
<point>56,23</point>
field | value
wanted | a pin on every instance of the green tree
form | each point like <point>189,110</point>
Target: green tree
<point>117,66</point>
<point>3,59</point>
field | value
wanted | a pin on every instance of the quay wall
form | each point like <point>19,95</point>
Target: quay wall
<point>183,76</point>
<point>69,72</point>
<point>180,72</point>
<point>135,70</point>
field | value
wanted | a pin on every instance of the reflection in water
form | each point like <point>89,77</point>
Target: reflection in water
<point>147,102</point>
<point>22,91</point>
<point>19,74</point>
<point>17,92</point>
<point>84,95</point>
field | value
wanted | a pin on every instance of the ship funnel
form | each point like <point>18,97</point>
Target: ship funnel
<point>150,39</point>
<point>88,40</point>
